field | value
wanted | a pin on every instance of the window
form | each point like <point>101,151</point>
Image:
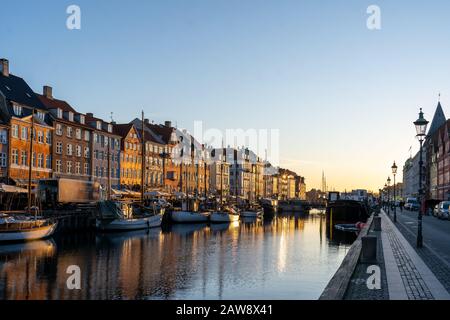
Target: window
<point>40,115</point>
<point>59,113</point>
<point>86,168</point>
<point>23,158</point>
<point>14,156</point>
<point>48,137</point>
<point>40,160</point>
<point>96,171</point>
<point>78,134</point>
<point>77,168</point>
<point>3,160</point>
<point>59,147</point>
<point>40,137</point>
<point>34,159</point>
<point>78,150</point>
<point>58,166</point>
<point>69,167</point>
<point>69,132</point>
<point>70,116</point>
<point>69,149</point>
<point>17,110</point>
<point>86,136</point>
<point>15,131</point>
<point>99,125</point>
<point>23,133</point>
<point>3,137</point>
<point>59,130</point>
<point>48,161</point>
<point>86,152</point>
<point>82,119</point>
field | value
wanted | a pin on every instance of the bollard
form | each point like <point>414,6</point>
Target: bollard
<point>376,223</point>
<point>369,249</point>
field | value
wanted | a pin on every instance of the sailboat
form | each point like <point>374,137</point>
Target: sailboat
<point>221,215</point>
<point>189,212</point>
<point>253,210</point>
<point>121,216</point>
<point>26,227</point>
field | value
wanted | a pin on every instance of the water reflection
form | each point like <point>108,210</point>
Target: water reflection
<point>285,257</point>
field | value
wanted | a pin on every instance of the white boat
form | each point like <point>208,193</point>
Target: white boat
<point>189,217</point>
<point>129,224</point>
<point>118,216</point>
<point>223,217</point>
<point>26,230</point>
<point>251,213</point>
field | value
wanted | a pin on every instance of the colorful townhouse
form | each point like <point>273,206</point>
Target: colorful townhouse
<point>105,144</point>
<point>72,139</point>
<point>130,156</point>
<point>21,110</point>
<point>4,149</point>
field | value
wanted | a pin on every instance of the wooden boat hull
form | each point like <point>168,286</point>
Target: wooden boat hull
<point>129,224</point>
<point>189,217</point>
<point>28,234</point>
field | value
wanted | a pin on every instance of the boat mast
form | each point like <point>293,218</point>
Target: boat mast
<point>143,166</point>
<point>31,162</point>
<point>221,179</point>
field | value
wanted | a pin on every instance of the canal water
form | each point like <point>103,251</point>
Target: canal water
<point>289,256</point>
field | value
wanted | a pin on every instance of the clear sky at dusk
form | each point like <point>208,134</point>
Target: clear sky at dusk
<point>344,97</point>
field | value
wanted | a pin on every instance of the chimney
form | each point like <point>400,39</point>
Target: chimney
<point>146,121</point>
<point>48,92</point>
<point>168,124</point>
<point>4,67</point>
<point>90,115</point>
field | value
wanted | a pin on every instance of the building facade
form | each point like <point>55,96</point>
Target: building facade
<point>105,153</point>
<point>72,145</point>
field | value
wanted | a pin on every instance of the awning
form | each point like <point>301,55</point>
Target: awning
<point>11,189</point>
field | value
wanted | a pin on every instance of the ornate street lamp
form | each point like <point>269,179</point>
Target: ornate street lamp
<point>394,172</point>
<point>421,129</point>
<point>385,194</point>
<point>389,196</point>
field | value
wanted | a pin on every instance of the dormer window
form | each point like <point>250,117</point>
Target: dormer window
<point>40,115</point>
<point>71,116</point>
<point>82,119</point>
<point>109,128</point>
<point>99,125</point>
<point>59,113</point>
<point>17,110</point>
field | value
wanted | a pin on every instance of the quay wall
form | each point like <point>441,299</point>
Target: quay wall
<point>336,288</point>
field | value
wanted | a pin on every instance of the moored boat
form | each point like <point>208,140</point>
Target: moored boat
<point>26,229</point>
<point>223,217</point>
<point>118,216</point>
<point>251,213</point>
<point>189,216</point>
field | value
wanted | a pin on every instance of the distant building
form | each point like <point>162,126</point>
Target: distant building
<point>411,177</point>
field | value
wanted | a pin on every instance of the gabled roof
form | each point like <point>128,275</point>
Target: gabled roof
<point>56,104</point>
<point>439,119</point>
<point>122,129</point>
<point>16,89</point>
<point>90,119</point>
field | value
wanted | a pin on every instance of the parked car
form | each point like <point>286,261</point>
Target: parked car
<point>443,212</point>
<point>412,204</point>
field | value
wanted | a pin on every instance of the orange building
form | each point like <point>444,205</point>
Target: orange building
<point>130,156</point>
<point>17,104</point>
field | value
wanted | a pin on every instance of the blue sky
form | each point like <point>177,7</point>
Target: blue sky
<point>344,97</point>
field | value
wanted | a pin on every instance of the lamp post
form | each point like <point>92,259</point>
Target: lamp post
<point>389,195</point>
<point>394,172</point>
<point>421,129</point>
<point>385,195</point>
